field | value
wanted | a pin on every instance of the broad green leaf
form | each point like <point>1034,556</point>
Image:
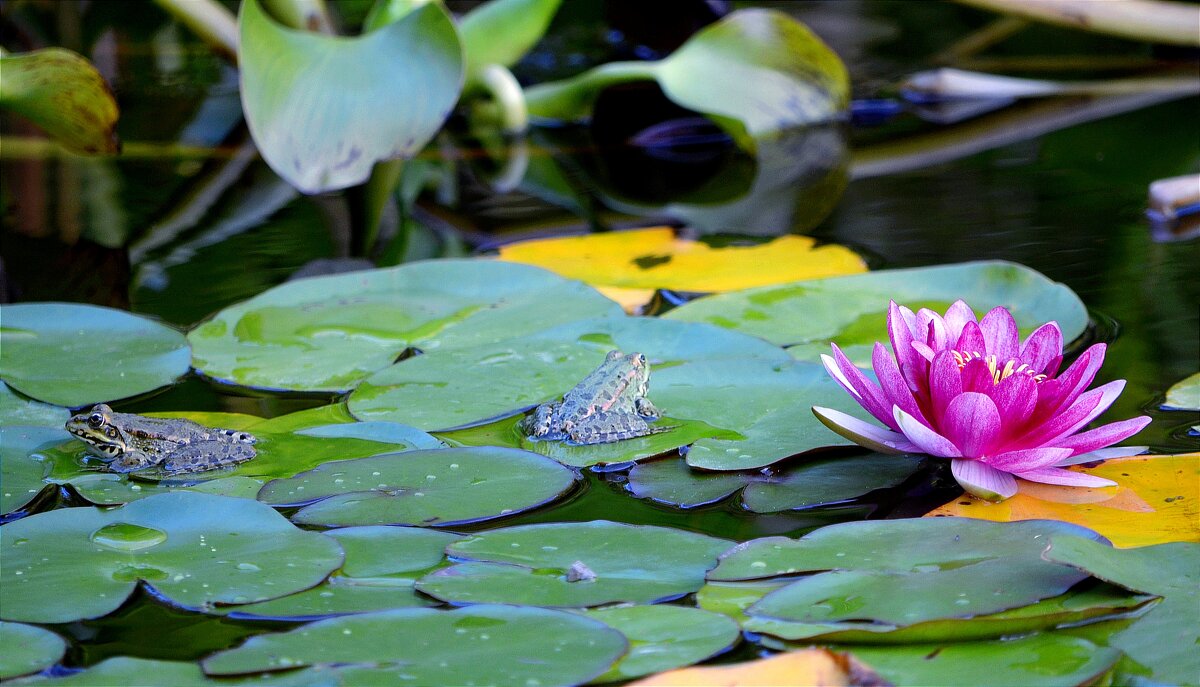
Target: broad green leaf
<point>502,31</point>
<point>21,469</point>
<point>1041,659</point>
<point>28,649</point>
<point>629,265</point>
<point>382,563</point>
<point>45,343</point>
<point>324,109</point>
<point>15,409</point>
<point>574,564</point>
<point>1156,500</point>
<point>329,333</point>
<point>910,545</point>
<point>754,72</point>
<point>1163,640</point>
<point>810,666</point>
<point>62,93</point>
<point>439,487</point>
<point>495,645</point>
<point>1184,394</point>
<point>464,386</point>
<point>664,637</point>
<point>127,670</point>
<point>192,549</point>
<point>807,484</point>
<point>852,311</point>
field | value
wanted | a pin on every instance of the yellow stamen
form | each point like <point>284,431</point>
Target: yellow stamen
<point>998,373</point>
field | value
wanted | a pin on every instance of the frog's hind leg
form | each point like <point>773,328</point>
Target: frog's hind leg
<point>235,435</point>
<point>207,455</point>
<point>605,428</point>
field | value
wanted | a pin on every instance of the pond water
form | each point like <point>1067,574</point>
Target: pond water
<point>189,222</point>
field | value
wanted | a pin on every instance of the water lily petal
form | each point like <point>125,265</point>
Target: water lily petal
<point>935,329</point>
<point>977,377</point>
<point>1104,396</point>
<point>864,434</point>
<point>1043,430</point>
<point>915,326</point>
<point>1105,435</point>
<point>972,423</point>
<point>1062,391</point>
<point>892,382</point>
<point>982,480</point>
<point>1016,396</point>
<point>971,340</point>
<point>1042,347</point>
<point>945,382</point>
<point>1103,454</point>
<point>1000,333</point>
<point>868,395</point>
<point>928,440</point>
<point>1028,459</point>
<point>912,365</point>
<point>1066,478</point>
<point>925,351</point>
<point>957,316</point>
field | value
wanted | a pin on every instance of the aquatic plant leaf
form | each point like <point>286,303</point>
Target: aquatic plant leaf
<point>329,333</point>
<point>476,645</point>
<point>382,563</point>
<point>502,31</point>
<point>649,259</point>
<point>15,409</point>
<point>64,95</point>
<point>439,487</point>
<point>1184,394</point>
<point>896,546</point>
<point>28,649</point>
<point>21,469</point>
<point>464,386</point>
<point>804,485</point>
<point>851,311</point>
<point>574,564</point>
<point>1156,500</point>
<point>1164,639</point>
<point>192,549</point>
<point>1041,659</point>
<point>129,355</point>
<point>664,637</point>
<point>324,109</point>
<point>754,72</point>
<point>127,670</point>
<point>818,667</point>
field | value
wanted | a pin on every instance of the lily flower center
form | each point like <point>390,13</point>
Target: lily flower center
<point>998,371</point>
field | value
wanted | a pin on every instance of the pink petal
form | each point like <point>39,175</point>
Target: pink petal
<point>1062,391</point>
<point>971,340</point>
<point>901,338</point>
<point>868,395</point>
<point>1103,436</point>
<point>1028,459</point>
<point>1042,347</point>
<point>1000,333</point>
<point>864,434</point>
<point>957,316</point>
<point>928,440</point>
<point>971,423</point>
<point>983,481</point>
<point>892,382</point>
<point>916,328</point>
<point>935,329</point>
<point>977,377</point>
<point>1104,395</point>
<point>925,351</point>
<point>1016,396</point>
<point>1066,478</point>
<point>1042,432</point>
<point>1102,454</point>
<point>945,382</point>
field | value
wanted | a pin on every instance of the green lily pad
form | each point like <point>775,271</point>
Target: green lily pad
<point>21,470</point>
<point>15,409</point>
<point>851,311</point>
<point>897,546</point>
<point>28,649</point>
<point>62,93</point>
<point>755,72</point>
<point>1184,394</point>
<point>324,109</point>
<point>127,670</point>
<point>1042,659</point>
<point>506,645</point>
<point>130,355</point>
<point>329,333</point>
<point>192,549</point>
<point>808,484</point>
<point>664,637</point>
<point>460,387</point>
<point>1163,640</point>
<point>382,563</point>
<point>440,487</point>
<point>574,564</point>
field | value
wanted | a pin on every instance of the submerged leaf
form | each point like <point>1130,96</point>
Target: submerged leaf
<point>62,93</point>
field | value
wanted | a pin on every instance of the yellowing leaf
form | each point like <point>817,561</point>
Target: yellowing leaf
<point>813,667</point>
<point>62,93</point>
<point>648,259</point>
<point>1157,500</point>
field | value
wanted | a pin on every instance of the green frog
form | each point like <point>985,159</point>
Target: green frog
<point>133,443</point>
<point>609,405</point>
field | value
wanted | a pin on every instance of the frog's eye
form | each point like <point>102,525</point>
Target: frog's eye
<point>95,420</point>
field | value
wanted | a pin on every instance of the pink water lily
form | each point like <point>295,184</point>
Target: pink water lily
<point>972,392</point>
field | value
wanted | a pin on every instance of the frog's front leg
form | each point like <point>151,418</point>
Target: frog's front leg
<point>540,425</point>
<point>207,455</point>
<point>646,409</point>
<point>131,461</point>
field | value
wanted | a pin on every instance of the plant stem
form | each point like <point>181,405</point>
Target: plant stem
<point>208,19</point>
<point>506,92</point>
<point>571,99</point>
<point>1156,21</point>
<point>304,15</point>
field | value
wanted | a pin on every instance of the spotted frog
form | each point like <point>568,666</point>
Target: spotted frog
<point>132,443</point>
<point>609,405</point>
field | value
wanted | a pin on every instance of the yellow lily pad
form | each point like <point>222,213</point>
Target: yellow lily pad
<point>628,266</point>
<point>818,667</point>
<point>1157,500</point>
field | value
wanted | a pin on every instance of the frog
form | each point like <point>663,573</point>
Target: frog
<point>609,405</point>
<point>135,443</point>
